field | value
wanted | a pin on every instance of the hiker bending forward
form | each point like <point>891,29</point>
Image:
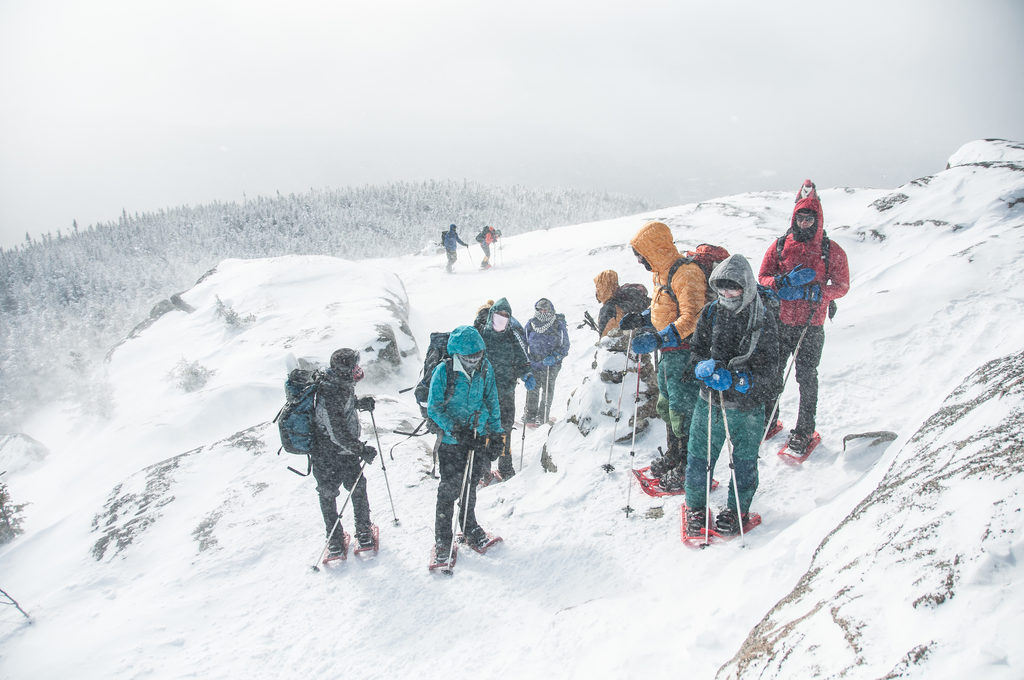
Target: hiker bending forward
<point>735,354</point>
<point>470,421</point>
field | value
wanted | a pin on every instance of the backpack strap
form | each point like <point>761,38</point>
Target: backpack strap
<point>825,249</point>
<point>667,287</point>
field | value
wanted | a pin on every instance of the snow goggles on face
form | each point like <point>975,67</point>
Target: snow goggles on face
<point>805,218</point>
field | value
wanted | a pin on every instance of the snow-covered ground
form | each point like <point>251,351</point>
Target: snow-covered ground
<point>171,542</point>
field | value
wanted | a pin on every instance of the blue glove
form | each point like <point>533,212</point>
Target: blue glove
<point>797,276</point>
<point>704,369</point>
<point>645,343</point>
<point>811,292</point>
<point>720,379</point>
<point>550,360</point>
<point>669,337</point>
<point>530,381</point>
<point>744,381</point>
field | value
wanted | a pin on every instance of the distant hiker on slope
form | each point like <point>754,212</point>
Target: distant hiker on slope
<point>470,423</point>
<point>506,350</point>
<point>485,238</point>
<point>548,340</point>
<point>451,242</point>
<point>808,271</point>
<point>338,450</point>
<point>617,301</point>
<point>735,354</point>
<point>678,295</point>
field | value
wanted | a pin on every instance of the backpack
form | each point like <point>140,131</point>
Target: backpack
<point>437,352</point>
<point>826,244</point>
<point>705,256</point>
<point>296,421</point>
<point>632,297</point>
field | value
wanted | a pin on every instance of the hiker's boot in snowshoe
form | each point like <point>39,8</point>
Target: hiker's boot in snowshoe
<point>669,459</point>
<point>336,545</point>
<point>728,523</point>
<point>695,521</point>
<point>364,537</point>
<point>673,480</point>
<point>798,443</point>
<point>505,468</point>
<point>477,538</point>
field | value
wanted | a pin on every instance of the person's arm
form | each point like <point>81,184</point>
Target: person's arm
<point>838,283</point>
<point>688,284</point>
<point>769,268</point>
<point>437,409</point>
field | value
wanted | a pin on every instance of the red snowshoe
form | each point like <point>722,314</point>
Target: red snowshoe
<point>774,429</point>
<point>336,555</point>
<point>375,532</point>
<point>794,456</point>
<point>445,567</point>
<point>703,537</point>
<point>652,485</point>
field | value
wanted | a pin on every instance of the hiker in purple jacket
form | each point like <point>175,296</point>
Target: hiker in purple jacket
<point>548,340</point>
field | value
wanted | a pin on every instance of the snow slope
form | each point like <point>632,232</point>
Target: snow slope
<point>171,542</point>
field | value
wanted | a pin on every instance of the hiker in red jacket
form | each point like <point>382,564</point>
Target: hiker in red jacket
<point>809,272</point>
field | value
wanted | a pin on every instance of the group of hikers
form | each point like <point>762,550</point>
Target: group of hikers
<point>451,241</point>
<point>722,337</point>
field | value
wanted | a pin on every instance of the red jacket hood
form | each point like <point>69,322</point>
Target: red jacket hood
<point>810,203</point>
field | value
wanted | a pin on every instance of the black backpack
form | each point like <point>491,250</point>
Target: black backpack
<point>437,352</point>
<point>632,297</point>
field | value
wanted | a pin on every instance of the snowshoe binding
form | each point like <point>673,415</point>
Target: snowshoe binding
<point>653,486</point>
<point>441,560</point>
<point>799,447</point>
<point>695,535</point>
<point>367,540</point>
<point>337,549</point>
<point>479,540</point>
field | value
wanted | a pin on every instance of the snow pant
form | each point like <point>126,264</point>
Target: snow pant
<point>807,360</point>
<point>678,392</point>
<point>331,471</point>
<point>453,255</point>
<point>507,404</point>
<point>538,401</point>
<point>745,430</point>
<point>452,462</point>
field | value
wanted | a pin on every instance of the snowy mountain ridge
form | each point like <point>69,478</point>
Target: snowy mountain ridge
<point>171,541</point>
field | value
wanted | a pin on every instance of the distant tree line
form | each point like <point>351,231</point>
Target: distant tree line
<point>66,299</point>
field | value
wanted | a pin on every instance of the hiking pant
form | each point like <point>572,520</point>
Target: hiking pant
<point>678,392</point>
<point>331,471</point>
<point>807,360</point>
<point>451,459</point>
<point>538,405</point>
<point>745,430</point>
<point>453,255</point>
<point>507,404</point>
<point>487,252</point>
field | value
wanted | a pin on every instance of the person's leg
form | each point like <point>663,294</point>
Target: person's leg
<point>452,464</point>
<point>807,360</point>
<point>746,440</point>
<point>683,390</point>
<point>350,471</point>
<point>697,454</point>
<point>550,374</point>
<point>507,404</point>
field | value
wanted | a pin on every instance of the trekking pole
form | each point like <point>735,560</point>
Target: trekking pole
<point>707,483</point>
<point>463,502</point>
<point>732,466</point>
<point>608,467</point>
<point>384,468</point>
<point>632,446</point>
<point>547,394</point>
<point>337,522</point>
<point>522,445</point>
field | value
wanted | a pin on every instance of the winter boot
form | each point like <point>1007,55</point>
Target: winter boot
<point>694,521</point>
<point>365,538</point>
<point>336,544</point>
<point>441,551</point>
<point>505,468</point>
<point>727,523</point>
<point>673,480</point>
<point>798,443</point>
<point>477,537</point>
<point>669,459</point>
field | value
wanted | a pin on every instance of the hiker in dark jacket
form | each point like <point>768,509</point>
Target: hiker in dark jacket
<point>506,349</point>
<point>734,355</point>
<point>451,242</point>
<point>485,238</point>
<point>808,275</point>
<point>547,338</point>
<point>470,421</point>
<point>338,450</point>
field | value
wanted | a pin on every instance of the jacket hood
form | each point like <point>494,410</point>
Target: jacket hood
<point>810,203</point>
<point>654,242</point>
<point>465,340</point>
<point>605,285</point>
<point>736,268</point>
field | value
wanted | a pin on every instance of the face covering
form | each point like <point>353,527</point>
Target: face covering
<point>544,315</point>
<point>471,362</point>
<point>357,373</point>
<point>499,322</point>
<point>730,299</point>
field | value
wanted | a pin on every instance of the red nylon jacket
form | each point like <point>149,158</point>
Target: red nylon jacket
<point>808,253</point>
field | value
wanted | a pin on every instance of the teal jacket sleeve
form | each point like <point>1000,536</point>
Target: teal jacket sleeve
<point>436,408</point>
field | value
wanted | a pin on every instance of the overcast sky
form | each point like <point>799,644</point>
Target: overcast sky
<point>141,104</point>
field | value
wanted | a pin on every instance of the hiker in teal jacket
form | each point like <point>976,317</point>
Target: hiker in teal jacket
<point>470,421</point>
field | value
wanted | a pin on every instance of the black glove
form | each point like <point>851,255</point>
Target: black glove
<point>465,435</point>
<point>368,453</point>
<point>365,404</point>
<point>633,320</point>
<point>495,446</point>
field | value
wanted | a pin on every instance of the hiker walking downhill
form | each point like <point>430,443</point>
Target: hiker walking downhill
<point>485,238</point>
<point>338,451</point>
<point>679,289</point>
<point>469,420</point>
<point>451,242</point>
<point>547,338</point>
<point>617,301</point>
<point>506,349</point>
<point>809,272</point>
<point>735,355</point>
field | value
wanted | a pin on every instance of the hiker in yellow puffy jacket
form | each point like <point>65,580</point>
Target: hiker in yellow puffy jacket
<point>678,295</point>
